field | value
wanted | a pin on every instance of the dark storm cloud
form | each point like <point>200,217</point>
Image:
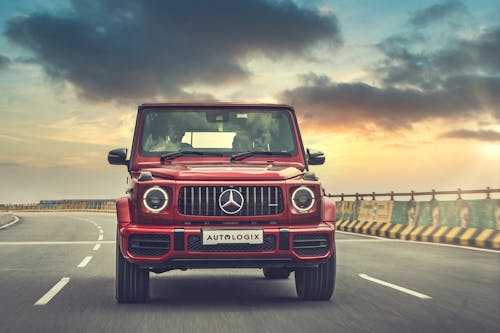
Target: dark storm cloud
<point>346,104</point>
<point>436,13</point>
<point>482,135</point>
<point>114,49</point>
<point>4,62</point>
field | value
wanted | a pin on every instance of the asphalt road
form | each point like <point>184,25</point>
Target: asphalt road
<point>47,248</point>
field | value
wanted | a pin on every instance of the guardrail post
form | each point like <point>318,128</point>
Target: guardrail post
<point>373,195</point>
<point>412,195</point>
<point>433,194</point>
<point>459,194</point>
<point>488,193</point>
<point>392,195</point>
<point>342,197</point>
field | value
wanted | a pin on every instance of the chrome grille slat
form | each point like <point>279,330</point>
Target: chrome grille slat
<point>192,200</point>
<point>247,196</point>
<point>269,201</point>
<point>261,200</point>
<point>276,200</point>
<point>204,200</point>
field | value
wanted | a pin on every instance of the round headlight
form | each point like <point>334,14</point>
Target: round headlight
<point>303,198</point>
<point>155,199</point>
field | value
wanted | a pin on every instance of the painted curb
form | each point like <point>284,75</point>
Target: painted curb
<point>13,221</point>
<point>6,217</point>
<point>484,238</point>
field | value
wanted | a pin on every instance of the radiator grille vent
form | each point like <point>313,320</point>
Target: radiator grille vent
<point>204,200</point>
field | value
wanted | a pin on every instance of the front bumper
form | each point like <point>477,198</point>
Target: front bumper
<point>162,248</point>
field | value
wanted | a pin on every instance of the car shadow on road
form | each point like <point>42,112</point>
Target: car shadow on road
<point>223,291</point>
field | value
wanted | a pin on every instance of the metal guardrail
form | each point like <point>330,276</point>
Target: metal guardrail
<point>47,205</point>
<point>459,192</point>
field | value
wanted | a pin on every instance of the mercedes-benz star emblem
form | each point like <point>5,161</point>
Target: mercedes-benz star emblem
<point>231,201</point>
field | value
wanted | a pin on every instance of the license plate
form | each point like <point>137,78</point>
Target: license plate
<point>232,236</point>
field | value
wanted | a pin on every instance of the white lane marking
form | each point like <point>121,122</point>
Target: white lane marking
<point>394,286</point>
<point>101,237</point>
<point>16,219</point>
<point>84,262</point>
<point>421,243</point>
<point>54,243</point>
<point>100,231</point>
<point>362,240</point>
<point>363,235</point>
<point>52,292</point>
<point>96,247</point>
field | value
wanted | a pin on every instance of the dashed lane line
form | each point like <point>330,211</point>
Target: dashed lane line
<point>52,292</point>
<point>394,286</point>
<point>101,237</point>
<point>96,247</point>
<point>84,262</point>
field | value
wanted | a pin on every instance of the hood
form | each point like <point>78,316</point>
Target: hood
<point>228,171</point>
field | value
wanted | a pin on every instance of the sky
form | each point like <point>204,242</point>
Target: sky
<point>399,95</point>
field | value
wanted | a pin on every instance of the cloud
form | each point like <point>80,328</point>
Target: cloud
<point>428,70</point>
<point>321,101</point>
<point>112,49</point>
<point>481,135</point>
<point>4,62</point>
<point>437,13</point>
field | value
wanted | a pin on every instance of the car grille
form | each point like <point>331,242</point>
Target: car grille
<point>204,200</point>
<point>148,245</point>
<point>310,244</point>
<point>195,244</point>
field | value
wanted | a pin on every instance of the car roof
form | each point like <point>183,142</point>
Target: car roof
<point>216,105</point>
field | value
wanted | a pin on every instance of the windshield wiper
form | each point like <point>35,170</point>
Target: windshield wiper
<point>245,154</point>
<point>175,154</point>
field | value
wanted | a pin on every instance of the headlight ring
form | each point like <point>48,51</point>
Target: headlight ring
<point>155,199</point>
<point>303,199</point>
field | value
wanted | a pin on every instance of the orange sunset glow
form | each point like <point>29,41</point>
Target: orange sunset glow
<point>407,102</point>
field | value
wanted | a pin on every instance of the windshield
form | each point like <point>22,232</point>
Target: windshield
<point>221,131</point>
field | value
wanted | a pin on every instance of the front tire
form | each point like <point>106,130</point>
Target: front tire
<point>131,282</point>
<point>316,283</point>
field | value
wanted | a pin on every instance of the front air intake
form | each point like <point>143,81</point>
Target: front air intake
<point>310,245</point>
<point>148,245</point>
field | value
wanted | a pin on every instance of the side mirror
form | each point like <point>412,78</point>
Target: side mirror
<point>315,157</point>
<point>118,156</point>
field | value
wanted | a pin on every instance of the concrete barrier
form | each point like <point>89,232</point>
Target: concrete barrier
<point>484,238</point>
<point>100,205</point>
<point>459,222</point>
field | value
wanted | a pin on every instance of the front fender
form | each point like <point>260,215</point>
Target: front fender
<point>123,214</point>
<point>329,210</point>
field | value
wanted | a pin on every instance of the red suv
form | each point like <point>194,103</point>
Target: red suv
<point>222,186</point>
